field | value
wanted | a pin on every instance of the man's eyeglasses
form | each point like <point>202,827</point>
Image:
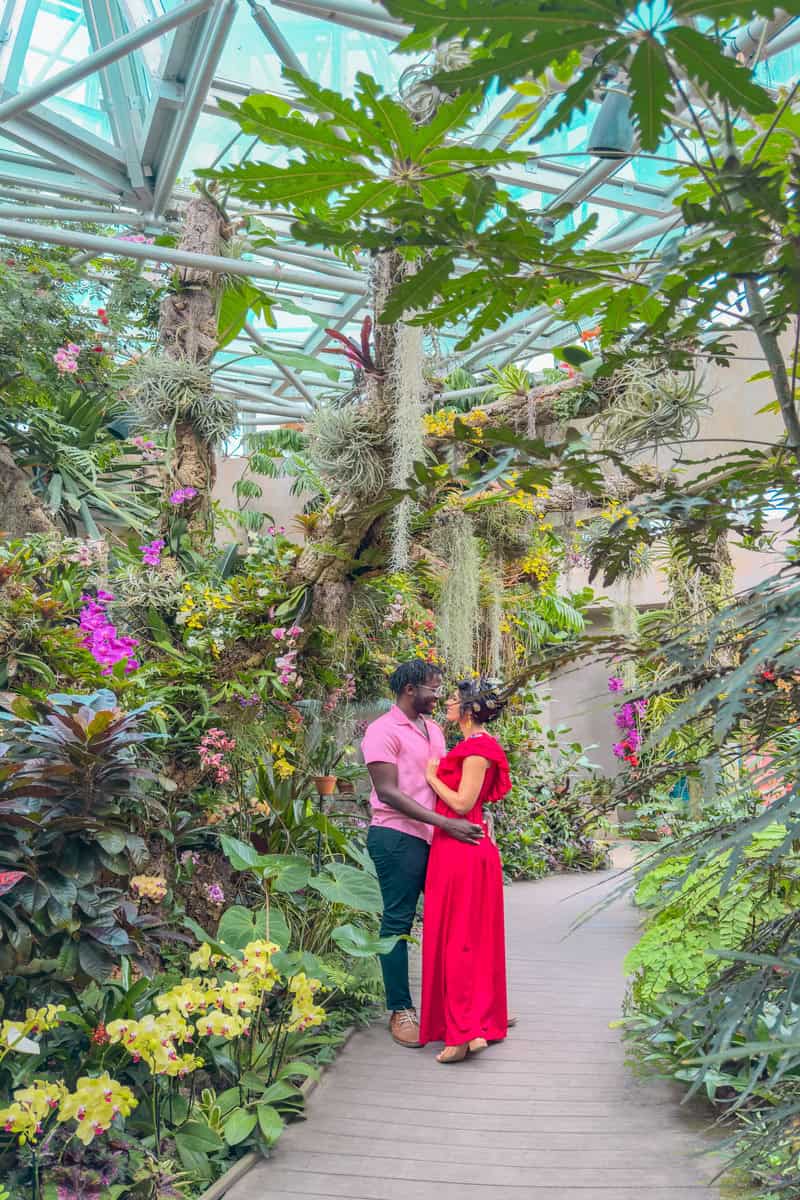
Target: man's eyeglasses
<point>423,687</point>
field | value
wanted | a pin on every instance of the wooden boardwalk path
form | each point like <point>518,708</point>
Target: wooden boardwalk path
<point>551,1114</point>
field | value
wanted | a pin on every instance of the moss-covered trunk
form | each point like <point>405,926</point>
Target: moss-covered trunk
<point>21,513</point>
<point>187,331</point>
<point>349,526</point>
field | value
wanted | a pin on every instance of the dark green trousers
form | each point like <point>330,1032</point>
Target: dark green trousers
<point>400,862</point>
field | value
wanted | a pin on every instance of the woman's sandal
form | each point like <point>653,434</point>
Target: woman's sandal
<point>478,1045</point>
<point>453,1054</point>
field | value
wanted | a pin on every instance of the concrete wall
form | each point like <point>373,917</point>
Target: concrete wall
<point>277,499</point>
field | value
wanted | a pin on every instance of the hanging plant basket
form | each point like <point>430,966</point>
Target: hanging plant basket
<point>325,784</point>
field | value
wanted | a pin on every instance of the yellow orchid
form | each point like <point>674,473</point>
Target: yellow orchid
<point>186,998</point>
<point>32,1105</point>
<point>222,1024</point>
<point>305,1013</point>
<point>202,958</point>
<point>94,1104</point>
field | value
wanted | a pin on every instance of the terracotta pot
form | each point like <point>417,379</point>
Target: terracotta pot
<point>325,784</point>
<point>345,787</point>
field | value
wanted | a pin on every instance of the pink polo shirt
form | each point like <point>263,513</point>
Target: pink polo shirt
<point>392,738</point>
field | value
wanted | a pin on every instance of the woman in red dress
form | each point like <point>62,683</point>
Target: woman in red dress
<point>463,939</point>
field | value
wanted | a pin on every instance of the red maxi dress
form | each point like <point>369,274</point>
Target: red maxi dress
<point>463,933</point>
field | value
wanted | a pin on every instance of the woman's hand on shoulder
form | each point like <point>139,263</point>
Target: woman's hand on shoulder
<point>431,771</point>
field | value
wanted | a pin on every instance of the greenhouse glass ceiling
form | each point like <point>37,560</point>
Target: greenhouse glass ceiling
<point>109,106</point>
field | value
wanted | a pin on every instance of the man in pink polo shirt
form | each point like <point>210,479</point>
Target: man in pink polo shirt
<point>397,748</point>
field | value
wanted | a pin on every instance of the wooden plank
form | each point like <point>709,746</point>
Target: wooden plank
<point>275,1183</point>
<point>553,1113</point>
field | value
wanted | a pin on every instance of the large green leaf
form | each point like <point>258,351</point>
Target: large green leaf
<point>198,1135</point>
<point>420,289</point>
<point>239,926</point>
<point>295,962</point>
<point>268,117</point>
<point>341,110</point>
<point>650,91</point>
<point>301,362</point>
<point>342,884</point>
<point>391,117</point>
<point>703,60</point>
<point>196,1162</point>
<point>522,58</point>
<point>360,943</point>
<point>305,184</point>
<point>287,872</point>
<point>436,21</point>
<point>238,1126</point>
<point>241,855</point>
<point>270,1122</point>
<point>238,300</point>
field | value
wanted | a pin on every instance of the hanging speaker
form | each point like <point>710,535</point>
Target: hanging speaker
<point>612,133</point>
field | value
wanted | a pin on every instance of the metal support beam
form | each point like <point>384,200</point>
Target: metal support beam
<point>76,151</point>
<point>167,166</point>
<point>287,372</point>
<point>367,18</point>
<point>272,33</point>
<point>93,216</point>
<point>20,42</point>
<point>101,58</point>
<point>180,258</point>
<point>253,401</point>
<point>640,232</point>
<point>120,89</point>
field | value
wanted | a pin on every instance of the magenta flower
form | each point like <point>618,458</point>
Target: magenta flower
<point>182,494</point>
<point>101,639</point>
<point>615,684</point>
<point>215,893</point>
<point>151,552</point>
<point>279,634</point>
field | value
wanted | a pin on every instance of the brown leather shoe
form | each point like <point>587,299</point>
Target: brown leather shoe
<point>404,1027</point>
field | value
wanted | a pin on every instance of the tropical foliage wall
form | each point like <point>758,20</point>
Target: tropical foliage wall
<point>195,924</point>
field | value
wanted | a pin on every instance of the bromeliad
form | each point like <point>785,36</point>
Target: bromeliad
<point>359,356</point>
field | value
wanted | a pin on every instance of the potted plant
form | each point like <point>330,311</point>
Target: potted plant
<point>347,773</point>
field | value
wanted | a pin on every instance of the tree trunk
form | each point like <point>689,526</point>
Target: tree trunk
<point>349,526</point>
<point>187,330</point>
<point>21,513</point>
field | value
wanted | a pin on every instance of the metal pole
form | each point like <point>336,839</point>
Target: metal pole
<point>180,258</point>
<point>261,401</point>
<point>287,372</point>
<point>265,407</point>
<point>785,40</point>
<point>220,23</point>
<point>96,216</point>
<point>272,33</point>
<point>393,31</point>
<point>640,233</point>
<point>101,58</point>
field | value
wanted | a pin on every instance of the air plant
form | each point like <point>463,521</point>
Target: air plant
<point>358,356</point>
